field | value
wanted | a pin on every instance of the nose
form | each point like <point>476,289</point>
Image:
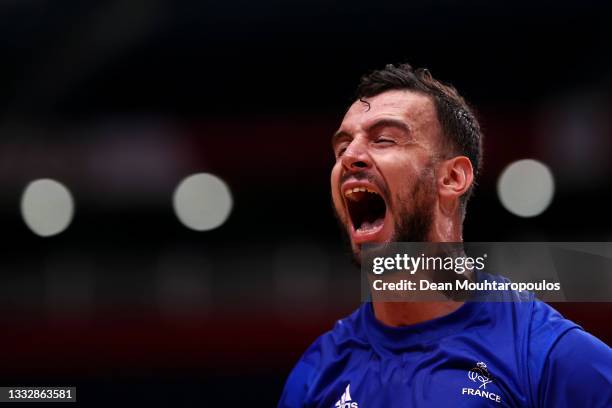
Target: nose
<point>356,157</point>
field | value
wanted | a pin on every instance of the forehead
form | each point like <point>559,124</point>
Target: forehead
<point>417,110</point>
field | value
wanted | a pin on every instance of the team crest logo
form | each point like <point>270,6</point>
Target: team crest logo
<point>480,374</point>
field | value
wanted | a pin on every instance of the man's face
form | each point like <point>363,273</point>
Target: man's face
<point>383,182</point>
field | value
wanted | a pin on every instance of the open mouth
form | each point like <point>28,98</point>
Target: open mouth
<point>366,208</point>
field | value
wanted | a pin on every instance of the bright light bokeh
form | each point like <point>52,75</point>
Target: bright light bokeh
<point>202,202</point>
<point>526,188</point>
<point>47,207</point>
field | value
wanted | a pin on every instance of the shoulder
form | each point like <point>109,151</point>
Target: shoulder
<point>577,372</point>
<point>566,364</point>
<point>324,350</point>
<point>344,335</point>
<point>545,327</point>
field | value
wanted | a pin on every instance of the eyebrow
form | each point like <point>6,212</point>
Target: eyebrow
<point>339,135</point>
<point>398,124</point>
<point>395,123</point>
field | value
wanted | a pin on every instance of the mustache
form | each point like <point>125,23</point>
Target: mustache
<point>359,175</point>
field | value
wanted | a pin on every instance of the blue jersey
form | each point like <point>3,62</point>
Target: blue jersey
<point>484,354</point>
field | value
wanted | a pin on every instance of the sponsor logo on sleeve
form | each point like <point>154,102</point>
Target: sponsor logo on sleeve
<point>345,400</point>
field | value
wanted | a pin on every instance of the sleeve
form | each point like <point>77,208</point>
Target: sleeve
<point>297,385</point>
<point>577,372</point>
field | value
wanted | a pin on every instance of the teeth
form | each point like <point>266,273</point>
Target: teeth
<point>359,190</point>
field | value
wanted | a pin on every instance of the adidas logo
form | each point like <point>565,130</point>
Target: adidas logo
<point>345,400</point>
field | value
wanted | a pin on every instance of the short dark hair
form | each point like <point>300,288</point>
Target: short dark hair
<point>456,117</point>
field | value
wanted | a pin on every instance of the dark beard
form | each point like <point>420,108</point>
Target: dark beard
<point>415,225</point>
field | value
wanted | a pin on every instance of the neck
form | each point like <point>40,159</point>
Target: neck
<point>397,314</point>
<point>446,230</point>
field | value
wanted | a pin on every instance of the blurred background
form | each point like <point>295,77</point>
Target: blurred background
<point>125,276</point>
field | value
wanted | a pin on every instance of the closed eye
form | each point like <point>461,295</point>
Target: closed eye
<point>383,140</point>
<point>340,149</point>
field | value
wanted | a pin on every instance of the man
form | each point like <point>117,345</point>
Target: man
<point>407,154</point>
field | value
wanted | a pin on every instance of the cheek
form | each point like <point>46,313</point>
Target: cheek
<point>335,190</point>
<point>400,177</point>
<point>415,186</point>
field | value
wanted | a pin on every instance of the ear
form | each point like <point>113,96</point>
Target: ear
<point>455,176</point>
